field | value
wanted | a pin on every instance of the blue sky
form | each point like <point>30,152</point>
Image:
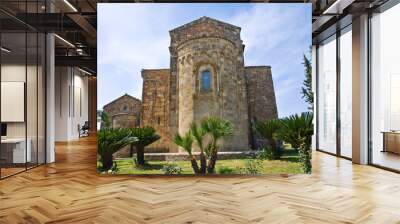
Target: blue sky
<point>136,36</point>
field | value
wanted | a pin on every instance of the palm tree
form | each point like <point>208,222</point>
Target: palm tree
<point>145,136</point>
<point>268,130</point>
<point>110,141</point>
<point>217,128</point>
<point>198,134</point>
<point>299,129</point>
<point>105,121</point>
<point>288,130</point>
<point>186,142</point>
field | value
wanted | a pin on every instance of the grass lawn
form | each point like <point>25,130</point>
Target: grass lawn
<point>288,164</point>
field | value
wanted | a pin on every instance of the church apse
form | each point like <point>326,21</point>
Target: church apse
<point>207,77</point>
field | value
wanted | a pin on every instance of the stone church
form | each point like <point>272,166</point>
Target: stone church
<point>124,112</point>
<point>207,77</point>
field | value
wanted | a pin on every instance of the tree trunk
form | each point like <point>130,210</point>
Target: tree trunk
<point>131,151</point>
<point>203,163</point>
<point>140,155</point>
<point>107,161</point>
<point>212,161</point>
<point>274,149</point>
<point>194,165</point>
<point>272,144</point>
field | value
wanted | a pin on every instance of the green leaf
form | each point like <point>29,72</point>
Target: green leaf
<point>185,141</point>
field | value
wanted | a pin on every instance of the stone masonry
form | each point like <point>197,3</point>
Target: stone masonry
<point>207,77</point>
<point>262,106</point>
<point>208,44</point>
<point>124,112</point>
<point>155,107</point>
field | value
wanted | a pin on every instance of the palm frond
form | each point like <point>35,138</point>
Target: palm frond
<point>111,140</point>
<point>198,134</point>
<point>296,127</point>
<point>267,129</point>
<point>185,141</point>
<point>217,127</point>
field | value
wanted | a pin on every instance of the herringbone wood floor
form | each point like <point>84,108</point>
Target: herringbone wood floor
<point>70,191</point>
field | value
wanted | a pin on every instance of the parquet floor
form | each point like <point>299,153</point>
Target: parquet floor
<point>70,191</point>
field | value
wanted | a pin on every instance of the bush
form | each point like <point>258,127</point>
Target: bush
<point>113,170</point>
<point>252,166</point>
<point>225,170</point>
<point>268,131</point>
<point>213,128</point>
<point>110,141</point>
<point>145,136</point>
<point>267,153</point>
<point>171,168</point>
<point>137,165</point>
<point>298,130</point>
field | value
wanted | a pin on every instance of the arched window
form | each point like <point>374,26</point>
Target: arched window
<point>206,80</point>
<point>125,108</point>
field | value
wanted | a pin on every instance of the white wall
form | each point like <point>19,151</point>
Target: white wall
<point>71,94</point>
<point>33,126</point>
<point>80,100</point>
<point>12,73</point>
<point>16,73</point>
<point>62,82</point>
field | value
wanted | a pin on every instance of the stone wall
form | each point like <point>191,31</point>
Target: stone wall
<point>260,97</point>
<point>201,28</point>
<point>227,98</point>
<point>124,112</point>
<point>125,120</point>
<point>205,27</point>
<point>155,107</point>
<point>173,98</point>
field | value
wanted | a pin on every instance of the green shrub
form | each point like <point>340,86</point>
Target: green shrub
<point>110,141</point>
<point>113,170</point>
<point>225,170</point>
<point>105,121</point>
<point>215,129</point>
<point>145,136</point>
<point>171,168</point>
<point>298,130</point>
<point>267,153</point>
<point>137,165</point>
<point>252,166</point>
<point>185,141</point>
